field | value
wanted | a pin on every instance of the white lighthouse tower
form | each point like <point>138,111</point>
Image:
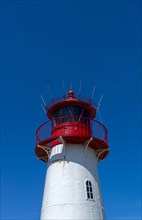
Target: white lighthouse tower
<point>72,143</point>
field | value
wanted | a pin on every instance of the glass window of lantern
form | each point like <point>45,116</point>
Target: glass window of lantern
<point>72,114</point>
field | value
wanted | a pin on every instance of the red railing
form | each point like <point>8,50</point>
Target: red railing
<point>64,98</point>
<point>97,129</point>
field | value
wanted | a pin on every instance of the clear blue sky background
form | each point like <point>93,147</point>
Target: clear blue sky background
<point>45,42</point>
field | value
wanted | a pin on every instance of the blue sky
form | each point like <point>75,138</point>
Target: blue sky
<point>45,42</point>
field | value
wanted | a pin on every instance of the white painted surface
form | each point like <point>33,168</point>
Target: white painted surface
<point>65,195</point>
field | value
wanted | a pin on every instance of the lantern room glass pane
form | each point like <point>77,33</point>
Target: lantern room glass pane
<point>72,114</point>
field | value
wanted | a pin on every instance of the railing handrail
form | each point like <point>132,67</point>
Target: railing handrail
<point>64,98</point>
<point>101,126</point>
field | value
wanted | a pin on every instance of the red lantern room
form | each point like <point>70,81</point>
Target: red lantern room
<point>71,118</point>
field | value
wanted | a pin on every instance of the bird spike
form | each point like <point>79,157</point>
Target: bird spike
<point>70,85</point>
<point>99,103</point>
<point>93,92</point>
<point>43,100</point>
<point>43,108</point>
<point>63,84</point>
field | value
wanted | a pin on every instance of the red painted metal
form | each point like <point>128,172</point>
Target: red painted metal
<point>80,98</point>
<point>76,130</point>
<point>80,101</point>
<point>73,129</point>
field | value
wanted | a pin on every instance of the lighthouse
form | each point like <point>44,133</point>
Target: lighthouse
<point>72,143</point>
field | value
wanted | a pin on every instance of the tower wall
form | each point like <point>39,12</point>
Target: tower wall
<point>69,168</point>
